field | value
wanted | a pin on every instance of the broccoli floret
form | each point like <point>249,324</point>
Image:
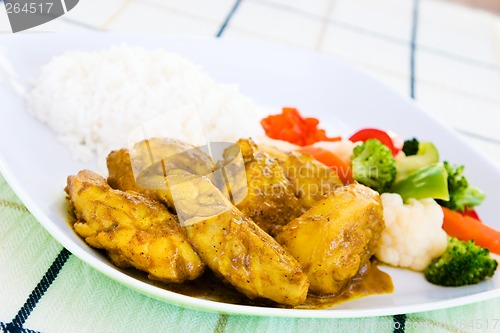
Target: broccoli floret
<point>373,165</point>
<point>410,147</point>
<point>461,264</point>
<point>462,195</point>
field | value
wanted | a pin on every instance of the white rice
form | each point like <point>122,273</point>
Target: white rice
<point>95,101</point>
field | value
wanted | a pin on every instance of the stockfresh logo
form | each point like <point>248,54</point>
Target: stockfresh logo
<point>199,175</point>
<point>31,13</point>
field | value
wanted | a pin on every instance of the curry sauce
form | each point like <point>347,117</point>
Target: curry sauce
<point>371,281</point>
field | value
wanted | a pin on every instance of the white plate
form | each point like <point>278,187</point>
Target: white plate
<point>36,166</point>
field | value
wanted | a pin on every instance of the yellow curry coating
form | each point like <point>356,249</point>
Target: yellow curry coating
<point>234,247</point>
<point>136,231</point>
<point>271,200</point>
<point>335,239</point>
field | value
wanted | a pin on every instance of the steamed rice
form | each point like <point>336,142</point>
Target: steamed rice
<point>94,101</point>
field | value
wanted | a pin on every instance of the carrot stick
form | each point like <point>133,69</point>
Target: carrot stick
<point>331,160</point>
<point>468,228</point>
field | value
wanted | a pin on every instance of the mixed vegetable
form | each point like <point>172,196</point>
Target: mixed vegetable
<point>373,165</point>
<point>462,195</point>
<point>456,250</point>
<point>461,264</point>
<point>290,126</point>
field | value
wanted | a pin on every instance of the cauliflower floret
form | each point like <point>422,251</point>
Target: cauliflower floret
<point>413,235</point>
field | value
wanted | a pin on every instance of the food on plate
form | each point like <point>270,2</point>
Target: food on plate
<point>335,239</point>
<point>463,196</point>
<point>301,232</point>
<point>311,180</point>
<point>308,216</point>
<point>461,264</point>
<point>413,235</point>
<point>154,155</point>
<point>282,185</point>
<point>134,230</point>
<point>292,127</point>
<point>121,177</point>
<point>420,175</point>
<point>383,137</point>
<point>327,158</point>
<point>467,228</point>
<point>342,149</point>
<point>373,165</point>
<point>425,155</point>
<point>409,174</point>
<point>427,182</point>
<point>271,200</point>
<point>265,176</point>
<point>143,172</point>
<point>170,177</point>
<point>93,100</point>
<point>410,147</point>
<point>234,247</point>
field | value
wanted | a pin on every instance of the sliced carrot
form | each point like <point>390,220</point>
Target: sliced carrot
<point>468,228</point>
<point>331,160</point>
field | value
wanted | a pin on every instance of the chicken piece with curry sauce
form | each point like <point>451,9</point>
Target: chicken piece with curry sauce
<point>233,246</point>
<point>274,187</point>
<point>282,185</point>
<point>135,230</point>
<point>270,201</point>
<point>144,168</point>
<point>311,180</point>
<point>334,240</point>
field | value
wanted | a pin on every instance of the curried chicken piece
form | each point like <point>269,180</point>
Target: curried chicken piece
<point>335,239</point>
<point>234,247</point>
<point>121,177</point>
<point>311,180</point>
<point>136,231</point>
<point>158,155</point>
<point>153,180</point>
<point>270,200</point>
<point>145,171</point>
<point>120,173</point>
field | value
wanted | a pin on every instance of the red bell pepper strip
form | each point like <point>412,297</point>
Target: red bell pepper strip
<point>472,213</point>
<point>373,133</point>
<point>290,126</point>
